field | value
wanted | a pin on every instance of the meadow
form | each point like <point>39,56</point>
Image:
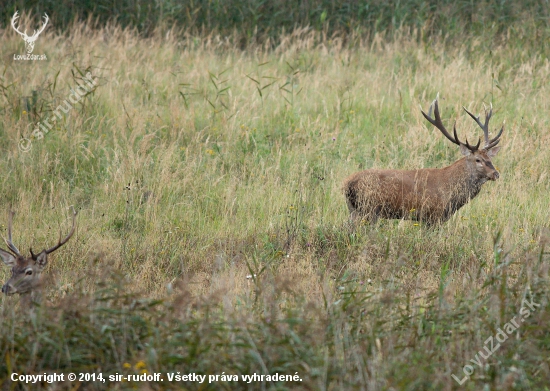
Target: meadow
<point>213,234</point>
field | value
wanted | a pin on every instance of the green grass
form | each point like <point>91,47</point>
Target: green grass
<point>194,164</point>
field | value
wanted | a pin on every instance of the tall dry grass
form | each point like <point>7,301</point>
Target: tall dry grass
<point>194,164</point>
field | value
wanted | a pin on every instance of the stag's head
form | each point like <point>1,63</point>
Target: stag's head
<point>29,41</point>
<point>26,271</point>
<point>478,160</point>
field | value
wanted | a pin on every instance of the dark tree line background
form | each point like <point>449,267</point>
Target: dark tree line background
<point>257,20</point>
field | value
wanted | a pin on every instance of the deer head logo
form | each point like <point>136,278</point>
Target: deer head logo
<point>29,41</point>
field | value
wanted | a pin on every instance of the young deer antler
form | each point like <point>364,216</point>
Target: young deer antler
<point>26,272</point>
<point>60,242</point>
<point>9,242</point>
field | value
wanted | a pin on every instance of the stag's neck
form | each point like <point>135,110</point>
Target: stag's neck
<point>464,183</point>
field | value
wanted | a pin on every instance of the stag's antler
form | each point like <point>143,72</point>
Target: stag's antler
<point>488,143</point>
<point>439,125</point>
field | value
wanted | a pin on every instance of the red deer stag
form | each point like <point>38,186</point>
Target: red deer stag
<point>26,272</point>
<point>430,195</point>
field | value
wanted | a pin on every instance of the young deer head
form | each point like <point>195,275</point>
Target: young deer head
<point>26,271</point>
<point>431,195</point>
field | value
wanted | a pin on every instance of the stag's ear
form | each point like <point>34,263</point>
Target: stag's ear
<point>42,259</point>
<point>7,258</point>
<point>493,151</point>
<point>464,150</point>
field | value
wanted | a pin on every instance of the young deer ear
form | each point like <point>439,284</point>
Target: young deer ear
<point>464,149</point>
<point>7,258</point>
<point>42,259</point>
<point>493,151</point>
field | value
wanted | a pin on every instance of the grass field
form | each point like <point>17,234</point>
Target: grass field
<point>194,165</point>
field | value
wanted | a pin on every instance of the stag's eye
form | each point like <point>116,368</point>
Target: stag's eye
<point>478,161</point>
<point>28,272</point>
